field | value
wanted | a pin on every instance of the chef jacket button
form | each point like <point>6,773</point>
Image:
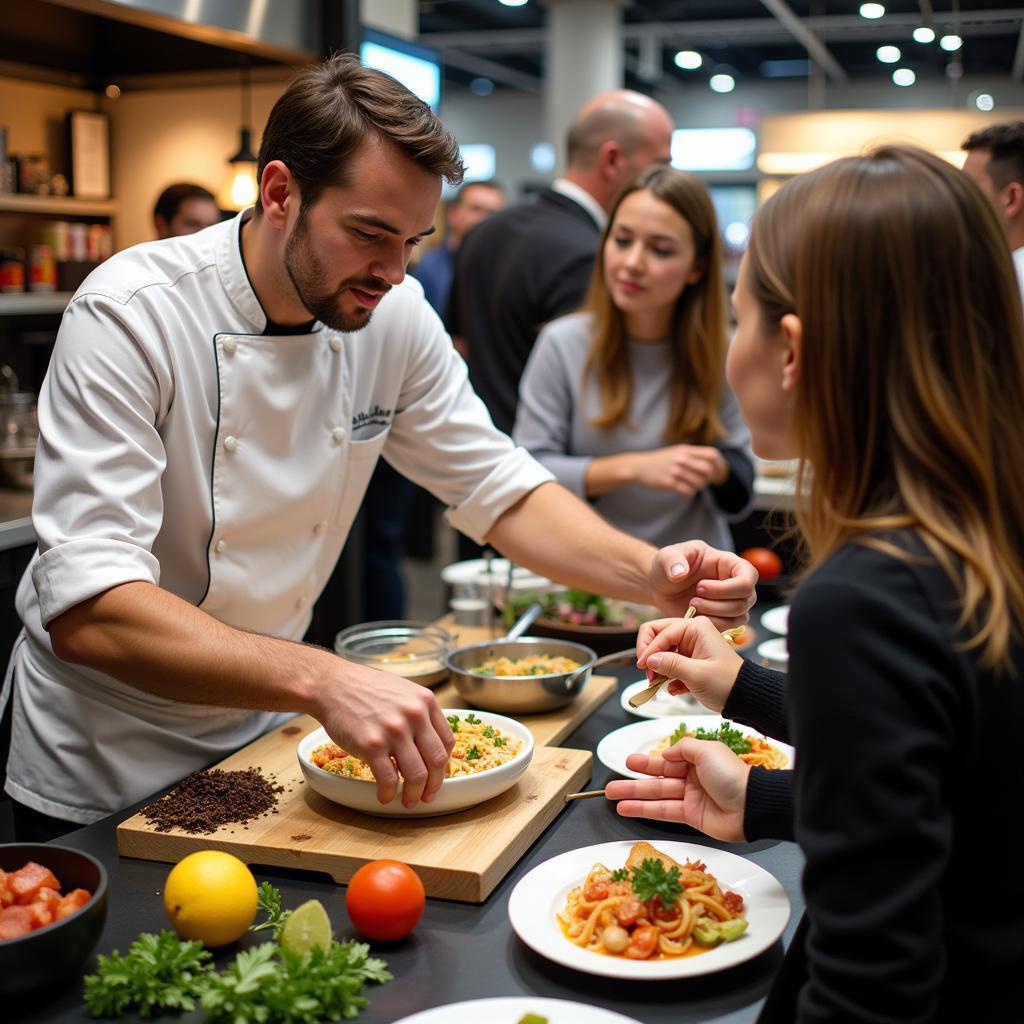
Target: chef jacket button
<point>229,346</point>
<point>302,601</point>
<point>220,545</point>
<point>338,435</point>
<point>335,344</point>
<point>230,443</point>
<point>320,527</point>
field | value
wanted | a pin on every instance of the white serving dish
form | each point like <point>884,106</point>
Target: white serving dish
<point>455,794</point>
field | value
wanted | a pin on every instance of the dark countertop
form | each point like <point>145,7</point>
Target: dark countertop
<point>463,951</point>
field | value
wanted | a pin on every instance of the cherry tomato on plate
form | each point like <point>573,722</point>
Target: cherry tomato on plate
<point>766,562</point>
<point>385,900</point>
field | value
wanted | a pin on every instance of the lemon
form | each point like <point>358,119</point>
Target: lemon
<point>305,927</point>
<point>210,896</point>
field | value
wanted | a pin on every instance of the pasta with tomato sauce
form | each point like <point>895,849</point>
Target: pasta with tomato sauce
<point>652,909</point>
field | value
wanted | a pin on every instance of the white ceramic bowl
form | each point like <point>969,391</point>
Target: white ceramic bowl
<point>774,653</point>
<point>456,794</point>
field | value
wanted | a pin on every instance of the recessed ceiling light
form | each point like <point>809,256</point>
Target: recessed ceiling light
<point>904,76</point>
<point>951,43</point>
<point>984,101</point>
<point>722,83</point>
<point>888,54</point>
<point>514,3</point>
<point>924,34</point>
<point>872,10</point>
<point>688,60</point>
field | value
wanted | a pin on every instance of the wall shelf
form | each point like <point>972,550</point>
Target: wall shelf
<point>33,303</point>
<point>16,202</point>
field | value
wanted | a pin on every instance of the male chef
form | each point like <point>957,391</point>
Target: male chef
<point>213,410</point>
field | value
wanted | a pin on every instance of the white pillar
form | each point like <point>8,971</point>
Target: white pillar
<point>583,57</point>
<point>399,17</point>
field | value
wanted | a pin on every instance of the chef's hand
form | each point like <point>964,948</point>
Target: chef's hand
<point>377,717</point>
<point>693,655</point>
<point>719,584</point>
<point>695,782</point>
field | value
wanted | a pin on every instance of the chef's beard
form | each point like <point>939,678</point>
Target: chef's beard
<point>309,279</point>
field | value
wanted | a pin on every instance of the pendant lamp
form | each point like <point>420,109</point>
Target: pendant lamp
<point>240,188</point>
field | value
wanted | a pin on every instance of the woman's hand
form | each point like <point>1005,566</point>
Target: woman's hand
<point>693,654</point>
<point>683,468</point>
<point>704,784</point>
<point>718,584</point>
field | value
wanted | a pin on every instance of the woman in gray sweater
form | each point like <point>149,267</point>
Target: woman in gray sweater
<point>626,401</point>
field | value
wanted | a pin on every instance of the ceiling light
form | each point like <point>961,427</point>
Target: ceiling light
<point>951,43</point>
<point>722,83</point>
<point>984,101</point>
<point>481,87</point>
<point>688,60</point>
<point>924,34</point>
<point>888,54</point>
<point>872,10</point>
<point>542,157</point>
<point>514,3</point>
<point>904,76</point>
<point>240,188</point>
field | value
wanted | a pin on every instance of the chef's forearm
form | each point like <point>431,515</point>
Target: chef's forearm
<point>148,638</point>
<point>553,533</point>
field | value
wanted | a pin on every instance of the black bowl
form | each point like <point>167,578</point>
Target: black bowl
<point>50,955</point>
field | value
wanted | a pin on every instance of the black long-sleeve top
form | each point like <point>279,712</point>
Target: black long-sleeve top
<point>908,786</point>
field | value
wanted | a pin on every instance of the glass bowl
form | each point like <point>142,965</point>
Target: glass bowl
<point>413,650</point>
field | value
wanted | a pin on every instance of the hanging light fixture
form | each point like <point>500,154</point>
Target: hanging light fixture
<point>240,189</point>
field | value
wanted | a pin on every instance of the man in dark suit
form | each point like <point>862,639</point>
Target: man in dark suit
<point>531,262</point>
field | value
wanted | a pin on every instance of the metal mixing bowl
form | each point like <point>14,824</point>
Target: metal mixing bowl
<point>507,694</point>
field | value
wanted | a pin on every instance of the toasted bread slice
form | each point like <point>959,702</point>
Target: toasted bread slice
<point>644,851</point>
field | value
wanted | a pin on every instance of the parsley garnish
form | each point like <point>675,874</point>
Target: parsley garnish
<point>473,754</point>
<point>620,874</point>
<point>650,879</point>
<point>269,901</point>
<point>489,731</point>
<point>471,719</point>
<point>498,741</point>
<point>732,738</point>
<point>453,721</point>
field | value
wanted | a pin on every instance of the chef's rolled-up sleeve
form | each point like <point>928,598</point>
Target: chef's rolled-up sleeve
<point>97,503</point>
<point>442,436</point>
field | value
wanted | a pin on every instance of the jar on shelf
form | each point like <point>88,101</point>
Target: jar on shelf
<point>42,269</point>
<point>12,270</point>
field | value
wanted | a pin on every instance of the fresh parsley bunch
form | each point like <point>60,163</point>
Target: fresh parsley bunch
<point>732,738</point>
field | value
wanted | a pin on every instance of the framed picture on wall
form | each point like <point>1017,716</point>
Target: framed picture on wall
<point>89,150</point>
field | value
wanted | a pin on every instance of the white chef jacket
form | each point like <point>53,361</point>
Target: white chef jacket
<point>180,446</point>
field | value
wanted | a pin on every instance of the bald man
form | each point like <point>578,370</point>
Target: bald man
<point>531,262</point>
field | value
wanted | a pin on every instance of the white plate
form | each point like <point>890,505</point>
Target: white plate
<point>639,737</point>
<point>474,571</point>
<point>775,653</point>
<point>662,704</point>
<point>512,1009</point>
<point>541,893</point>
<point>776,620</point>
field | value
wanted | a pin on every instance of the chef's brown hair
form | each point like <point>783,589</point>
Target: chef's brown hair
<point>908,404</point>
<point>699,322</point>
<point>330,109</point>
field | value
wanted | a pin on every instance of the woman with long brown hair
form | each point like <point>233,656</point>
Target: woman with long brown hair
<point>879,341</point>
<point>626,401</point>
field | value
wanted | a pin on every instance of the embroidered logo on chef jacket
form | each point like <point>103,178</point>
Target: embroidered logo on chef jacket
<point>367,425</point>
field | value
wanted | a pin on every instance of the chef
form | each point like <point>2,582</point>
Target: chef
<point>213,410</point>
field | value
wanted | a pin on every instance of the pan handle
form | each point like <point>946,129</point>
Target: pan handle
<point>623,655</point>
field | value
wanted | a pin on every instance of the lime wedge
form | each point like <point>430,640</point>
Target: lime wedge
<point>306,926</point>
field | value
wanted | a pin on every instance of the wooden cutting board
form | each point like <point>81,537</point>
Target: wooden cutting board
<point>459,856</point>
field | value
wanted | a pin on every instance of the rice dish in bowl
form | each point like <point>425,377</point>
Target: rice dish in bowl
<point>491,753</point>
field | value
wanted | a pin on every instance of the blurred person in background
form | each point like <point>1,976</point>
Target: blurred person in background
<point>184,209</point>
<point>995,160</point>
<point>626,401</point>
<point>474,202</point>
<point>900,391</point>
<point>532,262</point>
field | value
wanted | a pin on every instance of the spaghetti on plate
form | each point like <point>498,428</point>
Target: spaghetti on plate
<point>652,909</point>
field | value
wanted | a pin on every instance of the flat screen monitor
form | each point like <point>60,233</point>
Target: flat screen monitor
<point>416,67</point>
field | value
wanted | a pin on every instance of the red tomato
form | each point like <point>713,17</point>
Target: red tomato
<point>767,563</point>
<point>385,900</point>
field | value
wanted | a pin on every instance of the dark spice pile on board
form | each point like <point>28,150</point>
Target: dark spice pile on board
<point>205,800</point>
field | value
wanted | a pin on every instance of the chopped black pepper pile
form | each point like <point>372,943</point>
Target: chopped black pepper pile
<point>205,800</point>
